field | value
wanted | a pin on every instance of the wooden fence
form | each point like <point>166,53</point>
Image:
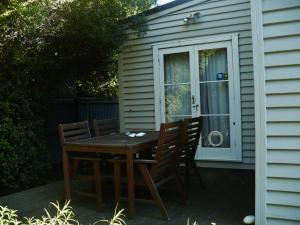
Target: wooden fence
<point>68,110</point>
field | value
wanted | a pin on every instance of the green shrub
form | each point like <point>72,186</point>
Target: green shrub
<point>23,159</point>
<point>44,43</point>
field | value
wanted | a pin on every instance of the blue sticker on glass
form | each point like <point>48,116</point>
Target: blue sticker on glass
<point>220,76</point>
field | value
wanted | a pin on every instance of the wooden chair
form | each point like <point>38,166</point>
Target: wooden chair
<point>158,171</point>
<point>77,131</point>
<point>107,126</point>
<point>190,135</point>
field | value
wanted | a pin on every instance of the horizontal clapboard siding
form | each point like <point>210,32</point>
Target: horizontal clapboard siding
<point>281,27</point>
<point>218,17</point>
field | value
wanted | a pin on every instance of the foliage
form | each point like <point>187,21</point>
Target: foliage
<point>43,44</point>
<point>22,148</point>
<point>62,216</point>
<point>23,159</point>
<point>117,219</point>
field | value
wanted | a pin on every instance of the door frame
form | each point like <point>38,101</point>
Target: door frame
<point>191,43</point>
<point>223,154</point>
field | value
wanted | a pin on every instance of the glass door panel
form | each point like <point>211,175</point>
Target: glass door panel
<point>177,86</point>
<point>214,98</point>
<point>216,132</point>
<point>211,63</point>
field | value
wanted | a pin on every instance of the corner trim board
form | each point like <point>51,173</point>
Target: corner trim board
<point>260,112</point>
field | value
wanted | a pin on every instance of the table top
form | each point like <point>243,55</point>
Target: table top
<point>116,140</point>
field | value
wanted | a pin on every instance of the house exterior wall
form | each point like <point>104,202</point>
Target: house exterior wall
<point>278,80</point>
<point>218,17</point>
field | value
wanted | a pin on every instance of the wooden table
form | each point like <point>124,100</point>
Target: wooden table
<point>111,144</point>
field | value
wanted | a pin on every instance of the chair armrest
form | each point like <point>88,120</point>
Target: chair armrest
<point>147,161</point>
<point>117,160</point>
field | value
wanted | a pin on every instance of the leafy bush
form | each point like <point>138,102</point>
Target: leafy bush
<point>22,149</point>
<point>44,43</point>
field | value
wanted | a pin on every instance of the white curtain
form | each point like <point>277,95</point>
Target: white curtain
<point>214,95</point>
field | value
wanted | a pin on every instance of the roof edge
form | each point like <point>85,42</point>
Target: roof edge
<point>165,6</point>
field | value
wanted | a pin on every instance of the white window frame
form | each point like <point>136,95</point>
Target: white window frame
<point>185,45</point>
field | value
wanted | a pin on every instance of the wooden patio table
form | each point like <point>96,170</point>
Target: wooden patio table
<point>111,144</point>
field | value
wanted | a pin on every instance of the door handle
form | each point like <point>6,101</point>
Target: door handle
<point>196,106</point>
<point>193,100</point>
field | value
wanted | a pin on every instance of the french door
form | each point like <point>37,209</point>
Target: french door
<point>199,80</point>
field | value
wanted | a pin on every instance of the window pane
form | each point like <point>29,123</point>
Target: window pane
<point>213,65</point>
<point>178,100</point>
<point>216,132</point>
<point>177,68</point>
<point>176,118</point>
<point>214,98</point>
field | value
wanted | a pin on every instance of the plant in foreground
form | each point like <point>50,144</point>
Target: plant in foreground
<point>63,216</point>
<point>118,218</point>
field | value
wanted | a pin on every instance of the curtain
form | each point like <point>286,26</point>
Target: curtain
<point>214,96</point>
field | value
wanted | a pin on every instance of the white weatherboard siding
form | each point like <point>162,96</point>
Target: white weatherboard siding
<point>218,17</point>
<point>280,179</point>
<point>281,28</point>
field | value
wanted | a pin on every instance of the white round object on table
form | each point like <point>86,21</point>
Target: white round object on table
<point>249,219</point>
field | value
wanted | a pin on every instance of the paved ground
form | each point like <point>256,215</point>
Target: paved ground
<point>228,198</point>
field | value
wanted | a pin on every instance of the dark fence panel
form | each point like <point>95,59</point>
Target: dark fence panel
<point>68,110</point>
<point>90,109</point>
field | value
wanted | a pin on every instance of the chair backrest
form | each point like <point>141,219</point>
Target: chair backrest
<point>103,127</point>
<point>73,131</point>
<point>190,135</point>
<point>166,151</point>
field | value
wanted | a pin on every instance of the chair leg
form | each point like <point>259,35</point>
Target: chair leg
<point>117,181</point>
<point>187,172</point>
<point>98,187</point>
<point>153,190</point>
<point>75,165</point>
<point>195,168</point>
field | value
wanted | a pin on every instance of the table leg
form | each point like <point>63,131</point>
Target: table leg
<point>66,164</point>
<point>130,183</point>
<point>117,179</point>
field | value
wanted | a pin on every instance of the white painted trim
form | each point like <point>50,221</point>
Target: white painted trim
<point>260,112</point>
<point>237,95</point>
<point>156,84</point>
<point>224,165</point>
<point>196,41</point>
<point>121,102</point>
